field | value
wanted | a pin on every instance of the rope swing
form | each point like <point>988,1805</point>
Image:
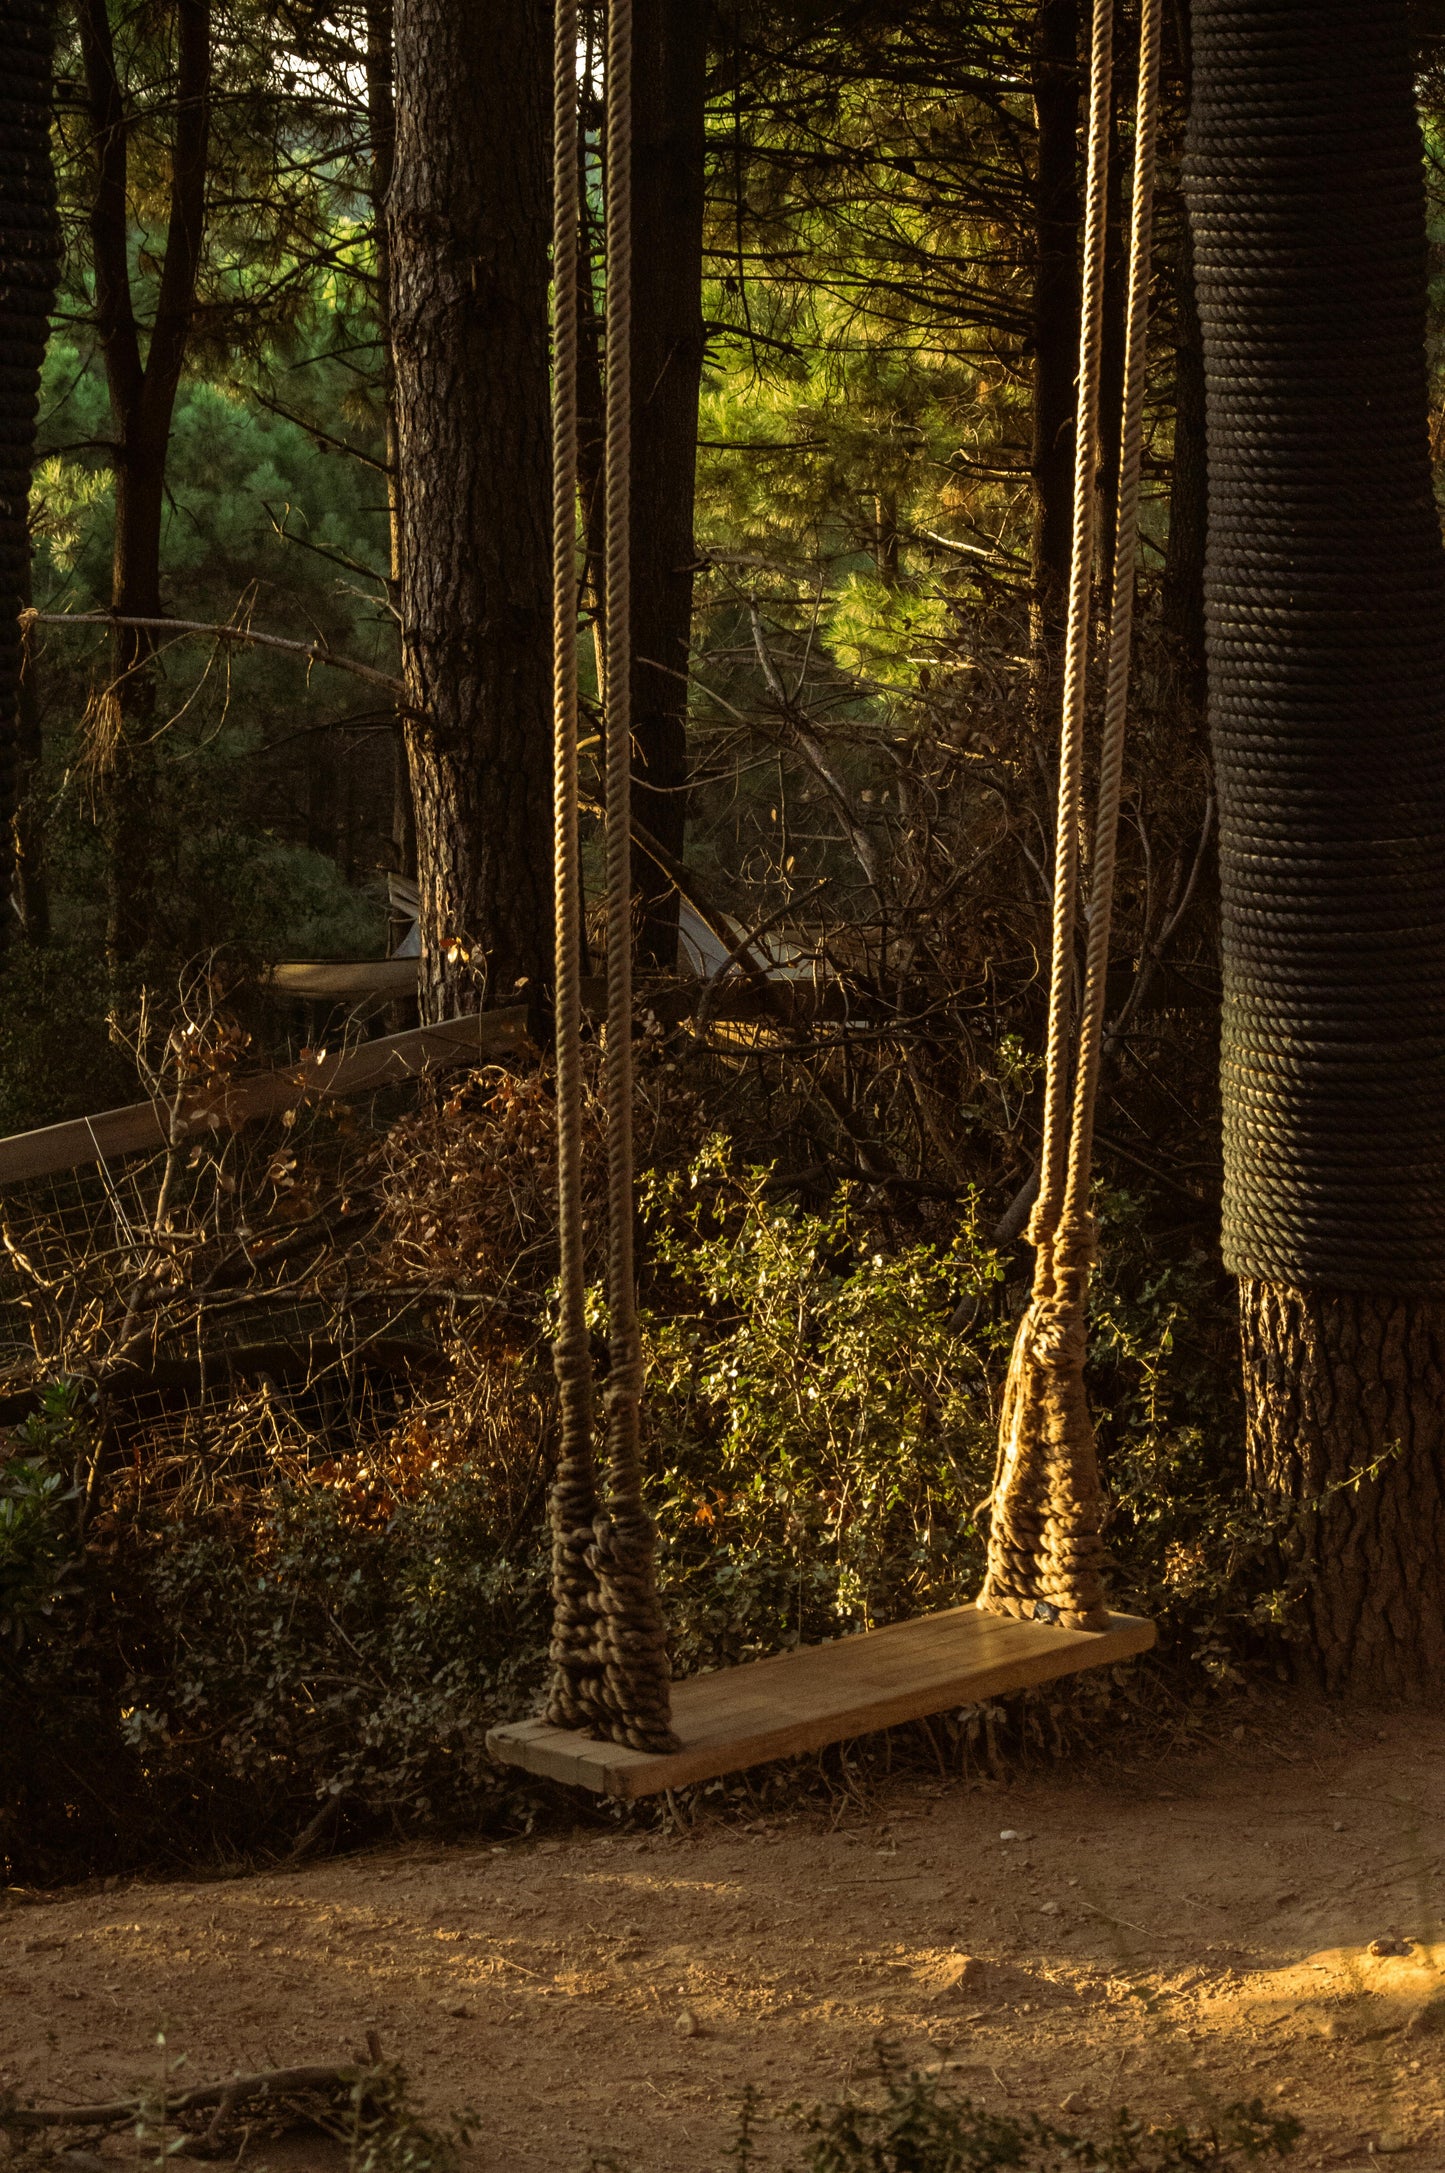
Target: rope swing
<point>609,1652</point>
<point>609,1646</point>
<point>1045,1557</point>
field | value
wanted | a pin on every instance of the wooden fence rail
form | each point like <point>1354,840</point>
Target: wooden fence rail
<point>152,1125</point>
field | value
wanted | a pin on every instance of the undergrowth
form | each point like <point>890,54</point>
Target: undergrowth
<point>910,2123</point>
<point>915,2124</point>
<point>292,1639</point>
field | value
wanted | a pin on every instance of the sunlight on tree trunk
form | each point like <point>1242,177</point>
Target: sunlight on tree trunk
<point>467,220</point>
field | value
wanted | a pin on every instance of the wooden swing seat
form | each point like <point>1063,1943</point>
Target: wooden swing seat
<point>821,1694</point>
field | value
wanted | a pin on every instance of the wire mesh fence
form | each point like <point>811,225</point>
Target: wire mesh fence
<point>230,1298</point>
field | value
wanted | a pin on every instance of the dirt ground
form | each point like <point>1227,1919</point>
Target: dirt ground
<point>1169,1936</point>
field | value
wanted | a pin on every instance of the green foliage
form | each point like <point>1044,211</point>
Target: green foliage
<point>305,1658</point>
<point>918,2126</point>
<point>319,1646</point>
<point>915,2124</point>
<point>823,1438</point>
<point>39,1528</point>
<point>385,2132</point>
<point>265,521</point>
<point>825,1430</point>
<point>37,1553</point>
<point>1192,1547</point>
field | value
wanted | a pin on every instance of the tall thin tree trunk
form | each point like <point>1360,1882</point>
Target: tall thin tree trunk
<point>381,122</point>
<point>1056,92</point>
<point>142,400</point>
<point>31,887</point>
<point>29,262</point>
<point>467,214</point>
<point>1325,597</point>
<point>670,114</point>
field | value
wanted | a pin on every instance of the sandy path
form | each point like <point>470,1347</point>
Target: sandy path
<point>550,1984</point>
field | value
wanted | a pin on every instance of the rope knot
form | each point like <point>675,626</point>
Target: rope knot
<point>1040,1230</point>
<point>1076,1245</point>
<point>1058,1337</point>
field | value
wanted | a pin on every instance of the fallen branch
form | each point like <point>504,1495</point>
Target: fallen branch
<point>315,652</point>
<point>279,2082</point>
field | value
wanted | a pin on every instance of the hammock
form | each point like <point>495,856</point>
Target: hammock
<point>613,1721</point>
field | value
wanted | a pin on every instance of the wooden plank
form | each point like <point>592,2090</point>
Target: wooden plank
<point>821,1694</point>
<point>341,977</point>
<point>145,1126</point>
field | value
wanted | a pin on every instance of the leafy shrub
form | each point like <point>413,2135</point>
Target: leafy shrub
<point>915,2124</point>
<point>919,2127</point>
<point>824,1439</point>
<point>309,1659</point>
<point>39,1530</point>
<point>312,1638</point>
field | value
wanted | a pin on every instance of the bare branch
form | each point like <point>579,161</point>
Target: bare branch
<point>315,652</point>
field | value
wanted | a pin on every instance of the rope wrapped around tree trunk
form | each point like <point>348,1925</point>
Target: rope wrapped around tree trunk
<point>1045,1557</point>
<point>609,1646</point>
<point>1325,604</point>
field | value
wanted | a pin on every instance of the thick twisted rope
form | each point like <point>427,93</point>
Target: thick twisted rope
<point>633,1643</point>
<point>1068,812</point>
<point>1045,1546</point>
<point>573,1701</point>
<point>609,1647</point>
<point>1074,1214</point>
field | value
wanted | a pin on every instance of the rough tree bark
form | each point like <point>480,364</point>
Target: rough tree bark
<point>1056,94</point>
<point>1347,1426</point>
<point>670,85</point>
<point>1325,604</point>
<point>142,401</point>
<point>381,125</point>
<point>29,261</point>
<point>468,231</point>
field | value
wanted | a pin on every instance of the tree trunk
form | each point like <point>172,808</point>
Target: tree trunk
<point>1325,603</point>
<point>142,401</point>
<point>1347,1439</point>
<point>381,122</point>
<point>670,83</point>
<point>29,262</point>
<point>1056,90</point>
<point>467,218</point>
<point>381,125</point>
<point>31,885</point>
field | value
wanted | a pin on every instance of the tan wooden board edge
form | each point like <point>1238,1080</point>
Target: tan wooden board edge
<point>821,1694</point>
<point>145,1126</point>
<point>321,977</point>
<point>671,1001</point>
